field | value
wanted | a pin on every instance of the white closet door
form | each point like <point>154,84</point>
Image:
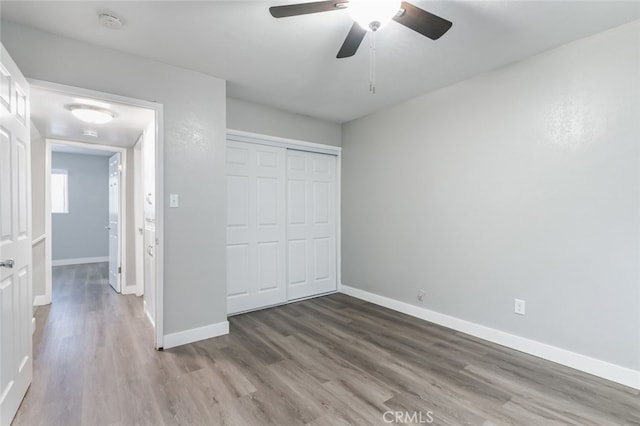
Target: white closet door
<point>256,227</point>
<point>311,223</point>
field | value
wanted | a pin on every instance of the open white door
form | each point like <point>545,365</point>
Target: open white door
<point>16,305</point>
<point>114,221</point>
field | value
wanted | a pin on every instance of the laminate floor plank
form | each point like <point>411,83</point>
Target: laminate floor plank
<point>333,360</point>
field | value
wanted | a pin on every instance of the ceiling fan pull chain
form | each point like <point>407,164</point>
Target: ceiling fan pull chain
<point>372,63</point>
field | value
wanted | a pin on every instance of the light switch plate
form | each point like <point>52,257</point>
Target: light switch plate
<point>174,200</point>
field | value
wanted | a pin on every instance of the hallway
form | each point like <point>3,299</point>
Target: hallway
<point>87,348</point>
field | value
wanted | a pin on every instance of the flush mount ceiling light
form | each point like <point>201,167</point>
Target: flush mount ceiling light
<point>90,114</point>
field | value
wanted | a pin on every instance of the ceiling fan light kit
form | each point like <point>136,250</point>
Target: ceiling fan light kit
<point>370,16</point>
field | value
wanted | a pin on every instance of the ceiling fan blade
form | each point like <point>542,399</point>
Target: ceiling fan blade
<point>421,21</point>
<point>352,42</point>
<point>306,8</point>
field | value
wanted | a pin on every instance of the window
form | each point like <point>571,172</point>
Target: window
<point>59,191</point>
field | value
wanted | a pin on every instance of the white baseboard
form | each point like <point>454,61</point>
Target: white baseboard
<point>79,261</point>
<point>195,334</point>
<point>129,289</point>
<point>153,323</point>
<point>606,370</point>
<point>148,314</point>
<point>41,300</point>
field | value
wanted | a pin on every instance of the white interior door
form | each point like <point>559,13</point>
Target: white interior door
<point>114,221</point>
<point>16,305</point>
<point>256,228</point>
<point>311,223</point>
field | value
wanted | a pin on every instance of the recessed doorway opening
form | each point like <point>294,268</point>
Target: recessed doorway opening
<point>97,192</point>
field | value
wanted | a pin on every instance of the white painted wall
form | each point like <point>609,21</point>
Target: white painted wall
<point>265,120</point>
<point>194,124</point>
<point>519,183</point>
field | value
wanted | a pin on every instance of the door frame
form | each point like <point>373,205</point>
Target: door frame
<point>159,184</point>
<point>138,213</point>
<point>318,148</point>
<point>122,220</point>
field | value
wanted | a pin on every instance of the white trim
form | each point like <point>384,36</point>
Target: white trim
<point>196,334</point>
<point>257,138</point>
<point>138,214</point>
<point>339,223</point>
<point>33,325</point>
<point>159,194</point>
<point>39,239</point>
<point>606,370</point>
<point>159,122</point>
<point>48,273</point>
<point>129,289</point>
<point>146,312</point>
<point>41,300</point>
<point>79,261</point>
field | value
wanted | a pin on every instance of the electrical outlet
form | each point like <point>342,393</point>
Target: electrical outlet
<point>420,295</point>
<point>519,306</point>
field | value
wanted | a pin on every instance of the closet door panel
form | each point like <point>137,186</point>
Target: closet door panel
<point>311,223</point>
<point>256,226</point>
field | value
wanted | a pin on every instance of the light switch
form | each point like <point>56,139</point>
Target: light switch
<point>174,200</point>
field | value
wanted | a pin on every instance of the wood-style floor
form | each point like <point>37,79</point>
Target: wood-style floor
<point>327,361</point>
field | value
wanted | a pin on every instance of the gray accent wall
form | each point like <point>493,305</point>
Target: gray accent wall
<point>266,120</point>
<point>194,140</point>
<point>81,233</point>
<point>519,183</point>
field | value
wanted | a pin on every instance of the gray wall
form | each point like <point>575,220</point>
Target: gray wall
<point>520,183</point>
<point>81,233</point>
<point>256,118</point>
<point>194,140</point>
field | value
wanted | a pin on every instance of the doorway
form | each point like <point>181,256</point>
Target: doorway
<point>87,190</point>
<point>131,143</point>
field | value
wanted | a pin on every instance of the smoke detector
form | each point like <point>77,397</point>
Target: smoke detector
<point>109,20</point>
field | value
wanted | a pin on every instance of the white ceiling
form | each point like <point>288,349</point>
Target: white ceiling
<point>50,115</point>
<point>290,63</point>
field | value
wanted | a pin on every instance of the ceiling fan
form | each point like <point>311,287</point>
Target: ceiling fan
<point>370,16</point>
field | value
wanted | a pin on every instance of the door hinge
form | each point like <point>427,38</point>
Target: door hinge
<point>119,269</point>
